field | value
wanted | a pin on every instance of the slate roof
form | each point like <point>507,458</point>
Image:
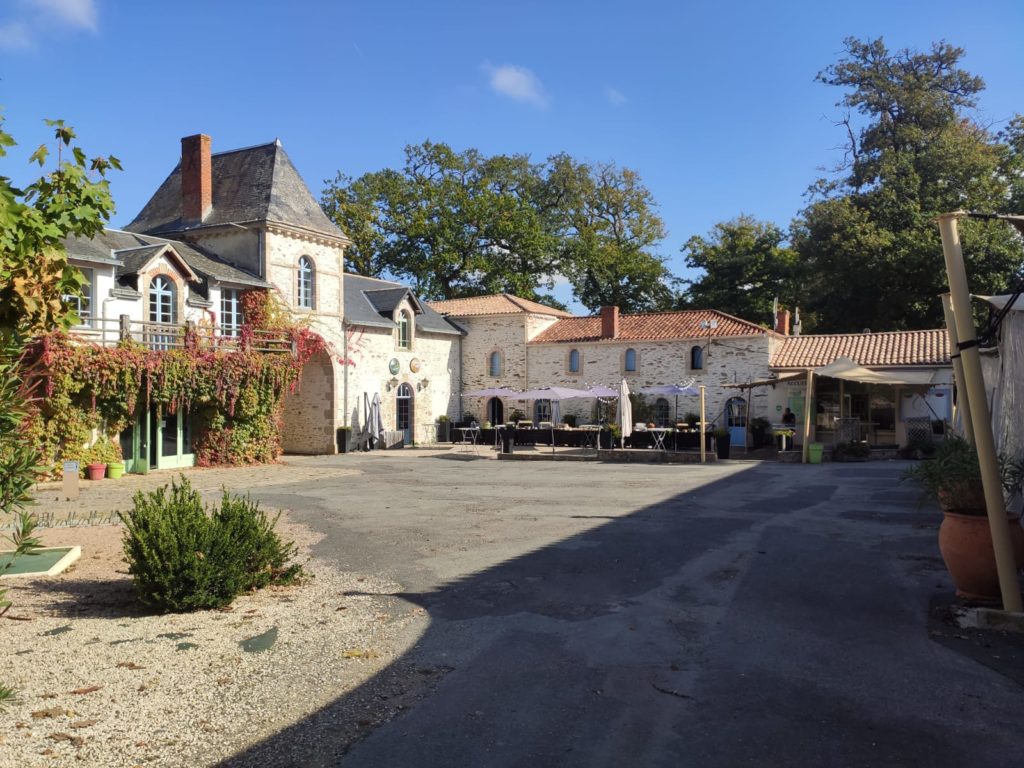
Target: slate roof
<point>890,349</point>
<point>654,326</point>
<point>120,246</point>
<point>368,300</point>
<point>251,184</point>
<point>496,304</point>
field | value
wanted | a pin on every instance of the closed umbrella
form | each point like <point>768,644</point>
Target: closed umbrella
<point>376,421</point>
<point>624,412</point>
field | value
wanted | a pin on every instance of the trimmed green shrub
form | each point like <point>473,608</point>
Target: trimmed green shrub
<point>184,557</point>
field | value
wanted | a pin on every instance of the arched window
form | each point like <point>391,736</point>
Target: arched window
<point>307,283</point>
<point>661,412</point>
<point>494,364</point>
<point>163,309</point>
<point>696,359</point>
<point>574,361</point>
<point>630,362</point>
<point>404,331</point>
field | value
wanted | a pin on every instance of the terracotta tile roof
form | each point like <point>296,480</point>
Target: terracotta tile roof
<point>497,304</point>
<point>895,348</point>
<point>654,326</point>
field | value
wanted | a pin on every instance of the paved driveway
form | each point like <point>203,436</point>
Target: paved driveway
<point>606,615</point>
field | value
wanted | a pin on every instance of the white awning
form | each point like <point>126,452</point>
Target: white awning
<point>844,368</point>
<point>1001,301</point>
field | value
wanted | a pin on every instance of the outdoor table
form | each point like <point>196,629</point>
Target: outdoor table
<point>469,436</point>
<point>658,437</point>
<point>589,436</point>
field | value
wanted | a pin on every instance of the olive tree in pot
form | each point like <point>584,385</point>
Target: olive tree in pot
<point>953,478</point>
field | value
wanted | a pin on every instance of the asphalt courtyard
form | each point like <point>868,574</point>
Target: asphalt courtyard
<point>584,614</point>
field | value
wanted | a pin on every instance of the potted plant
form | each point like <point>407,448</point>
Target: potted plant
<point>342,437</point>
<point>691,418</point>
<point>759,427</point>
<point>722,442</point>
<point>101,453</point>
<point>953,478</point>
<point>443,429</point>
<point>855,450</point>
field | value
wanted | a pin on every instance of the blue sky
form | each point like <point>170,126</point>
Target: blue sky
<point>714,104</point>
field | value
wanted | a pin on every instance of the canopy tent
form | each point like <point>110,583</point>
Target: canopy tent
<point>846,369</point>
<point>554,394</point>
<point>1004,377</point>
<point>494,392</point>
<point>687,390</point>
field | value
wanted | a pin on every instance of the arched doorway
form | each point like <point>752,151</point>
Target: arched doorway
<point>495,411</point>
<point>736,421</point>
<point>307,415</point>
<point>404,413</point>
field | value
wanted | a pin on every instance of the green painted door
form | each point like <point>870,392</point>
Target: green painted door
<point>170,443</point>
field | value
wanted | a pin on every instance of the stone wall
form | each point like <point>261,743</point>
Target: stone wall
<point>434,383</point>
<point>730,360</point>
<point>309,412</point>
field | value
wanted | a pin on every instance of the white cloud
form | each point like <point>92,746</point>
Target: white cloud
<point>517,83</point>
<point>15,36</point>
<point>33,17</point>
<point>73,13</point>
<point>615,96</point>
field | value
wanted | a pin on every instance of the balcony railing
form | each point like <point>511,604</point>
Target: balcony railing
<point>109,332</point>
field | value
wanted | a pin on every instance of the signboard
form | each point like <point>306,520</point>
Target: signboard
<point>70,480</point>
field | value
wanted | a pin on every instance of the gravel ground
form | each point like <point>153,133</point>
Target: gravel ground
<point>100,683</point>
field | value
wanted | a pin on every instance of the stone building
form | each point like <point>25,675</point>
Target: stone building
<point>223,223</point>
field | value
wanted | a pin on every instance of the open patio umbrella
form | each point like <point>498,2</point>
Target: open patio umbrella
<point>494,392</point>
<point>624,412</point>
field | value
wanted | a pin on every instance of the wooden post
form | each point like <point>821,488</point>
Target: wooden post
<point>980,418</point>
<point>125,327</point>
<point>806,447</point>
<point>703,438</point>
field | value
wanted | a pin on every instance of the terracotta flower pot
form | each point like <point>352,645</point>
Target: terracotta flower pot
<point>966,546</point>
<point>96,471</point>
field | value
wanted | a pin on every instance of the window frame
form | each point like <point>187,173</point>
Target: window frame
<point>305,289</point>
<point>696,358</point>
<point>574,363</point>
<point>495,364</point>
<point>232,310</point>
<point>662,412</point>
<point>160,296</point>
<point>404,330</point>
<point>86,317</point>
<point>626,367</point>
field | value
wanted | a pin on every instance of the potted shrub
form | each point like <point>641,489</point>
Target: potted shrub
<point>722,442</point>
<point>855,450</point>
<point>953,478</point>
<point>759,427</point>
<point>444,429</point>
<point>691,418</point>
<point>101,453</point>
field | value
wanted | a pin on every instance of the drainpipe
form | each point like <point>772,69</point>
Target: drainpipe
<point>970,360</point>
<point>344,336</point>
<point>103,319</point>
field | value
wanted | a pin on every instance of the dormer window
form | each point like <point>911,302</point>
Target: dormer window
<point>404,330</point>
<point>306,293</point>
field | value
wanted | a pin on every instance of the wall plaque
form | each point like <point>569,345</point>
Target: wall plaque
<point>394,366</point>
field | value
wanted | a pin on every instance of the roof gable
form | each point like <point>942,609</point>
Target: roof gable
<point>653,326</point>
<point>364,296</point>
<point>888,349</point>
<point>135,260</point>
<point>252,184</point>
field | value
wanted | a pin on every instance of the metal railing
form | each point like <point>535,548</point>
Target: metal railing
<point>109,332</point>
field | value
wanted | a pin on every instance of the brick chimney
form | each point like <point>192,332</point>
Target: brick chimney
<point>196,178</point>
<point>609,322</point>
<point>782,322</point>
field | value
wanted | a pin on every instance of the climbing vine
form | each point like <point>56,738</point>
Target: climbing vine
<point>233,393</point>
